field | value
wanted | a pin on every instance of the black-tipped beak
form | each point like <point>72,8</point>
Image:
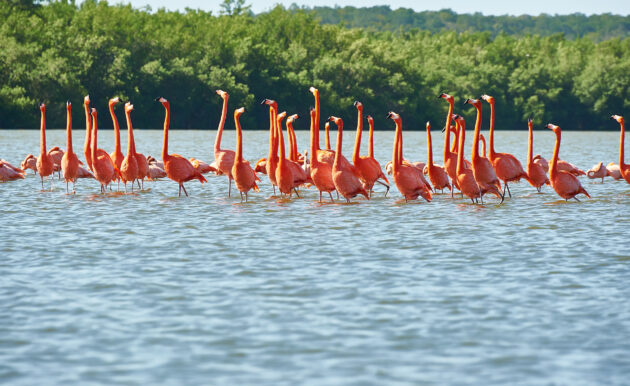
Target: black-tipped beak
<point>442,95</point>
<point>330,119</point>
<point>444,129</point>
<point>612,117</point>
<point>157,99</point>
<point>263,101</point>
<point>67,102</point>
<point>389,116</point>
<point>355,103</point>
<point>467,101</point>
<point>529,120</point>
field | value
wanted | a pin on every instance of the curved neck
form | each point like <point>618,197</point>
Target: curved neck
<point>339,139</point>
<point>429,146</point>
<point>69,131</point>
<point>447,134</point>
<point>475,151</point>
<point>357,141</point>
<point>42,133</point>
<point>491,139</point>
<point>273,149</point>
<point>327,127</point>
<point>553,167</point>
<point>94,137</point>
<point>371,142</point>
<point>530,143</point>
<point>622,139</point>
<point>167,122</point>
<point>239,138</point>
<point>292,141</point>
<point>217,141</point>
<point>131,146</point>
<point>460,152</point>
<point>116,129</point>
<point>88,129</point>
<point>317,111</point>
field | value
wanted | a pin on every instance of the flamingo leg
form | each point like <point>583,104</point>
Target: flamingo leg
<point>138,184</point>
<point>67,187</point>
<point>576,199</point>
<point>229,187</point>
<point>337,195</point>
<point>126,186</point>
<point>241,197</point>
<point>296,192</point>
<point>385,185</point>
<point>481,197</point>
<point>185,192</point>
<point>508,189</point>
<point>331,198</point>
<point>179,193</point>
<point>274,189</point>
<point>42,182</point>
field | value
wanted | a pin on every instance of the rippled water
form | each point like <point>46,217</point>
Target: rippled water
<point>153,289</point>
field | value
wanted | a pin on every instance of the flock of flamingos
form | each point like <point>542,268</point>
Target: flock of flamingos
<point>329,171</point>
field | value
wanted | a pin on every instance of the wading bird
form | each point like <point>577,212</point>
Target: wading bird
<point>564,183</point>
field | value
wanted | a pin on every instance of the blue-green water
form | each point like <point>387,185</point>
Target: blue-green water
<point>155,289</point>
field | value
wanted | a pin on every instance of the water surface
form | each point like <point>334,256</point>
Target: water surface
<point>154,289</point>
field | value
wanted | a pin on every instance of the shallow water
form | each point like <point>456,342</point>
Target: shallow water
<point>153,289</point>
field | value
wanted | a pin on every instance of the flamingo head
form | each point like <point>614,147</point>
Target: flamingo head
<point>269,102</point>
<point>292,118</point>
<point>393,116</point>
<point>358,105</point>
<point>86,100</point>
<point>222,94</point>
<point>459,119</point>
<point>370,120</point>
<point>447,97</point>
<point>474,102</point>
<point>488,98</point>
<point>554,128</point>
<point>68,105</point>
<point>239,112</point>
<point>128,107</point>
<point>42,107</point>
<point>93,111</point>
<point>163,101</point>
<point>281,116</point>
<point>617,118</point>
<point>113,101</point>
<point>337,120</point>
<point>428,125</point>
<point>314,91</point>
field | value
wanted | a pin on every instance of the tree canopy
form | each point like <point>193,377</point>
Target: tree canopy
<point>62,51</point>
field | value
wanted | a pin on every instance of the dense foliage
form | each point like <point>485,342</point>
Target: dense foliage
<point>59,51</point>
<point>596,27</point>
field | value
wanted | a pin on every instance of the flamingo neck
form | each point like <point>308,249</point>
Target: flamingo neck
<point>69,131</point>
<point>88,130</point>
<point>280,140</point>
<point>131,145</point>
<point>317,111</point>
<point>475,151</point>
<point>292,142</point>
<point>116,130</point>
<point>357,141</point>
<point>327,127</point>
<point>397,152</point>
<point>94,137</point>
<point>447,135</point>
<point>167,122</point>
<point>530,144</point>
<point>338,145</point>
<point>460,152</point>
<point>42,134</point>
<point>239,139</point>
<point>429,147</point>
<point>491,152</point>
<point>483,146</point>
<point>313,145</point>
<point>371,141</point>
<point>622,139</point>
<point>217,141</point>
<point>553,167</point>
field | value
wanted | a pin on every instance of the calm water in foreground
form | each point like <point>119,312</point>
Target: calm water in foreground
<point>153,289</point>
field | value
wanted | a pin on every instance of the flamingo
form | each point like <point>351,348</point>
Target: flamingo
<point>223,158</point>
<point>284,172</point>
<point>299,175</point>
<point>406,177</point>
<point>69,161</point>
<point>272,159</point>
<point>614,171</point>
<point>506,166</point>
<point>9,172</point>
<point>346,182</point>
<point>88,129</point>
<point>538,159</point>
<point>243,174</point>
<point>369,169</point>
<point>261,166</point>
<point>535,171</point>
<point>177,168</point>
<point>450,155</point>
<point>482,168</point>
<point>30,162</point>
<point>56,154</point>
<point>564,183</point>
<point>104,169</point>
<point>45,164</point>
<point>202,166</point>
<point>437,174</point>
<point>597,171</point>
<point>321,172</point>
<point>117,156</point>
<point>624,169</point>
<point>465,176</point>
<point>294,155</point>
<point>129,165</point>
<point>327,131</point>
<point>155,170</point>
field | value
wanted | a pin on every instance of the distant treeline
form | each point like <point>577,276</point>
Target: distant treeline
<point>577,25</point>
<point>59,51</point>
